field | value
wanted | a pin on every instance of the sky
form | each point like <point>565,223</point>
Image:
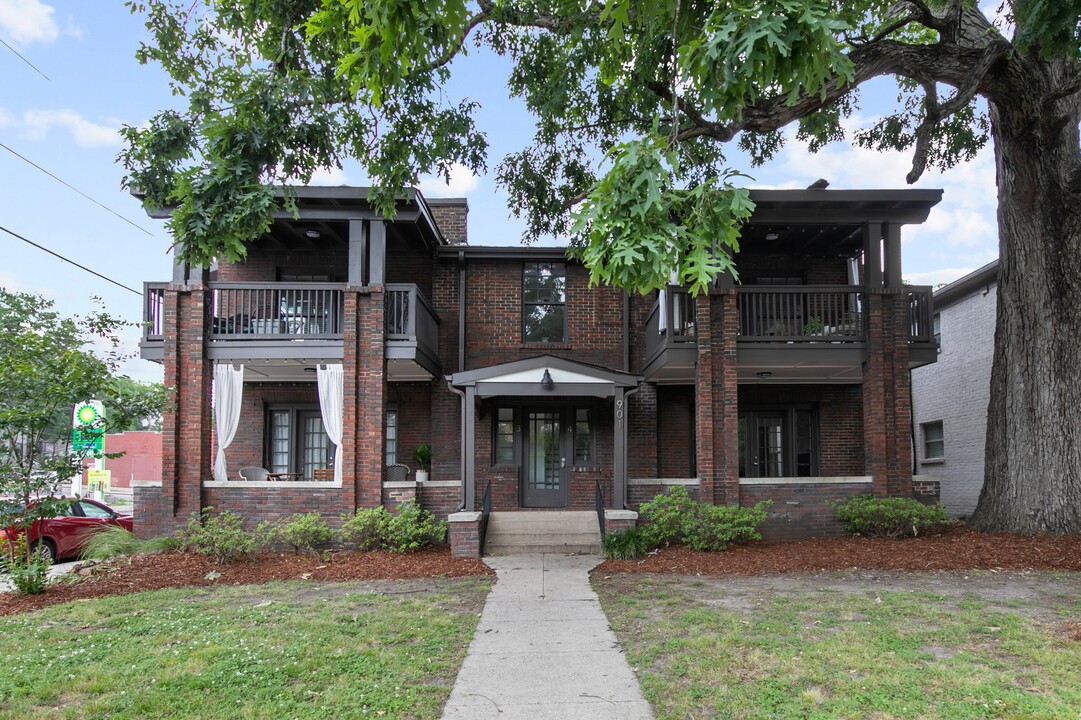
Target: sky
<point>63,114</point>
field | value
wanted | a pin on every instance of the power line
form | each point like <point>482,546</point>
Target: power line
<point>67,260</point>
<point>72,187</point>
<point>25,60</point>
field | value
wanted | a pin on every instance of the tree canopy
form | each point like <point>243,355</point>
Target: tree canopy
<point>635,105</point>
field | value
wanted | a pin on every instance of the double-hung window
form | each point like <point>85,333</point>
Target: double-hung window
<point>544,303</point>
<point>297,442</point>
<point>934,441</point>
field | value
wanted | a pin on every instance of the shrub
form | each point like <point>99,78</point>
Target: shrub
<point>28,575</point>
<point>666,516</point>
<point>110,541</point>
<point>715,527</point>
<point>220,535</point>
<point>677,517</point>
<point>888,517</point>
<point>630,544</point>
<point>302,531</point>
<point>366,529</point>
<point>412,528</point>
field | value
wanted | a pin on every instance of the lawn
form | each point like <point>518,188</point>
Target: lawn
<point>852,645</point>
<point>283,650</point>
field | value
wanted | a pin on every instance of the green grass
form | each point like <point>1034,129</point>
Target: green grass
<point>285,650</point>
<point>833,654</point>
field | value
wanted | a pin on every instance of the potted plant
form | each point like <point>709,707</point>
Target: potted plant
<point>423,456</point>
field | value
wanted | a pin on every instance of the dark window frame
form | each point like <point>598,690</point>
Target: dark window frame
<point>748,441</point>
<point>518,409</point>
<point>515,435</point>
<point>297,411</point>
<point>591,420</point>
<point>390,453</point>
<point>940,441</point>
<point>526,305</point>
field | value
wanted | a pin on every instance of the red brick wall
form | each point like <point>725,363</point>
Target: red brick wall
<point>812,270</point>
<point>268,265</point>
<point>410,266</point>
<point>413,401</point>
<point>887,400</point>
<point>638,494</point>
<point>451,215</point>
<point>675,431</point>
<point>141,459</point>
<point>257,504</point>
<point>801,510</point>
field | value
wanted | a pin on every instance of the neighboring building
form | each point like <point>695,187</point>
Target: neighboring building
<point>950,397</point>
<point>141,459</point>
<point>792,386</point>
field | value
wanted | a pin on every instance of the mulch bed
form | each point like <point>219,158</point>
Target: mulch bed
<point>954,548</point>
<point>177,570</point>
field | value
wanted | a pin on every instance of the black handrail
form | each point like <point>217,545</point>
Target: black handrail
<point>600,507</point>
<point>485,511</point>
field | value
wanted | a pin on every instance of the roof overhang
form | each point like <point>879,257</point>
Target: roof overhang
<point>903,206</point>
<point>524,378</point>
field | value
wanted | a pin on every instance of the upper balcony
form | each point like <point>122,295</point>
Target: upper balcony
<point>288,326</point>
<point>792,333</point>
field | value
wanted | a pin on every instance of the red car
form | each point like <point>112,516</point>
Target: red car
<point>64,535</point>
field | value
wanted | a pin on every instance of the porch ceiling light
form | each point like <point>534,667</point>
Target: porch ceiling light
<point>771,236</point>
<point>546,380</point>
<point>313,233</point>
<point>764,374</point>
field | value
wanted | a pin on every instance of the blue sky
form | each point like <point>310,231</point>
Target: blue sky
<point>68,125</point>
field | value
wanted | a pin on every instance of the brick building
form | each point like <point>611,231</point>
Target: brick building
<point>528,384</point>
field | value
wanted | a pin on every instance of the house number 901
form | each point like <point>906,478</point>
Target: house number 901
<point>619,413</point>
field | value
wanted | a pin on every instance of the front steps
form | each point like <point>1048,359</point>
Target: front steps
<point>554,531</point>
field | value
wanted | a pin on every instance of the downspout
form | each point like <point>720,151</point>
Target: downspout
<point>626,332</point>
<point>461,440</point>
<point>461,311</point>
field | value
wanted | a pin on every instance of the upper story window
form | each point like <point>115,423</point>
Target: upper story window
<point>937,325</point>
<point>934,441</point>
<point>544,303</point>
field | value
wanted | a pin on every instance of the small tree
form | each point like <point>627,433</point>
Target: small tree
<point>48,363</point>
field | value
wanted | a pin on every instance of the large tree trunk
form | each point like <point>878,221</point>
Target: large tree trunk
<point>1033,458</point>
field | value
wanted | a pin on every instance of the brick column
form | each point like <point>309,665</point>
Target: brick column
<point>716,398</point>
<point>887,400</point>
<point>703,399</point>
<point>463,531</point>
<point>362,427</point>
<point>186,426</point>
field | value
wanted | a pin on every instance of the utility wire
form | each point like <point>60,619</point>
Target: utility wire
<point>67,260</point>
<point>72,187</point>
<point>25,60</point>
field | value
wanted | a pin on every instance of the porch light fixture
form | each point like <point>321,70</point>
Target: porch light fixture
<point>771,236</point>
<point>764,374</point>
<point>312,233</point>
<point>546,380</point>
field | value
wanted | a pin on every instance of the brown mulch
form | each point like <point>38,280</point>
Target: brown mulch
<point>953,548</point>
<point>177,570</point>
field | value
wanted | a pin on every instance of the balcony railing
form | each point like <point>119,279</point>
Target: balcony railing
<point>410,319</point>
<point>920,314</point>
<point>803,313</point>
<point>671,322</point>
<point>153,310</point>
<point>276,311</point>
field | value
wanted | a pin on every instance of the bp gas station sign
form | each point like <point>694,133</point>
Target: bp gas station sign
<point>86,427</point>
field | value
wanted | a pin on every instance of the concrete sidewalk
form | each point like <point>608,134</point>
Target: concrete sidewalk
<point>543,649</point>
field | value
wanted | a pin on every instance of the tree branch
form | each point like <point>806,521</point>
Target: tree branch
<point>452,52</point>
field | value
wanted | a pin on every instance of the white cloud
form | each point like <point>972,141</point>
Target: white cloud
<point>37,124</point>
<point>462,182</point>
<point>329,177</point>
<point>934,278</point>
<point>28,21</point>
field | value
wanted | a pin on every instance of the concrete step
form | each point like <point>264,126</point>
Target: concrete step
<point>558,531</point>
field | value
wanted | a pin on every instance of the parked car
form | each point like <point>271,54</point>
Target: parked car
<point>64,535</point>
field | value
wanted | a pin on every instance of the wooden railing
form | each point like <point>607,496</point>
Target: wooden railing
<point>920,314</point>
<point>800,313</point>
<point>410,318</point>
<point>672,323</point>
<point>153,311</point>
<point>275,311</point>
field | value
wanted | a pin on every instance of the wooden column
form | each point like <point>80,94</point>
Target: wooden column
<point>893,255</point>
<point>872,254</point>
<point>469,415</point>
<point>619,461</point>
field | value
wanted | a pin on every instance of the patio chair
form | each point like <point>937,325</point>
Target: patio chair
<point>323,474</point>
<point>254,474</point>
<point>397,472</point>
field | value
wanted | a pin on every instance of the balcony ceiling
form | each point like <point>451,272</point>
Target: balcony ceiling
<point>836,240</point>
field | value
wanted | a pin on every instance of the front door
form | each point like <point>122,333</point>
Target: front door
<point>544,482</point>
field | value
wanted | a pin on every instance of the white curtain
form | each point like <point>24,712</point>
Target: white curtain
<point>331,400</point>
<point>228,392</point>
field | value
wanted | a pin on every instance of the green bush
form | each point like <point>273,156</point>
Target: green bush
<point>110,541</point>
<point>630,544</point>
<point>28,575</point>
<point>677,517</point>
<point>891,517</point>
<point>219,535</point>
<point>303,532</point>
<point>411,528</point>
<point>665,517</point>
<point>366,529</point>
<point>715,527</point>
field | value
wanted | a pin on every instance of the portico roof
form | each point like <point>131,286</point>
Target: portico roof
<point>523,377</point>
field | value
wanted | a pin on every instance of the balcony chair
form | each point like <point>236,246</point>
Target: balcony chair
<point>254,474</point>
<point>323,474</point>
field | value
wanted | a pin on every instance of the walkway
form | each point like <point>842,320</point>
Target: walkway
<point>543,649</point>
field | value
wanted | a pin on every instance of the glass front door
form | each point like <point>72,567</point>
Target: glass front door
<point>545,478</point>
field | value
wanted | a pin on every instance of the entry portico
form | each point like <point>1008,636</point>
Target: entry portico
<point>543,426</point>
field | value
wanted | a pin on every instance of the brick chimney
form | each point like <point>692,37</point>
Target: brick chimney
<point>451,215</point>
